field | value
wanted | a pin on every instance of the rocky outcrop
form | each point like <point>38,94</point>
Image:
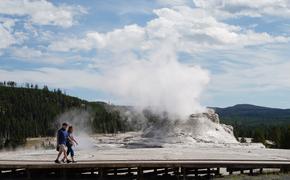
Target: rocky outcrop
<point>209,114</point>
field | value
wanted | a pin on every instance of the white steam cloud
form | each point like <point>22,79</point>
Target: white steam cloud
<point>161,84</point>
<point>80,120</point>
<point>156,79</point>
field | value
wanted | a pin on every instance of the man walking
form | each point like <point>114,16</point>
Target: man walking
<point>61,143</point>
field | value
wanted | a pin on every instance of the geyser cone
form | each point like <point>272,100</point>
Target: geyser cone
<point>202,127</point>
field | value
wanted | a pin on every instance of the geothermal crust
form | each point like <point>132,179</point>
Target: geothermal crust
<point>203,127</point>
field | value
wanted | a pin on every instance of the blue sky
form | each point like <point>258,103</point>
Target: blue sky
<point>79,46</point>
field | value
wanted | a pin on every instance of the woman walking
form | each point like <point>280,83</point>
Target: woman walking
<point>70,142</point>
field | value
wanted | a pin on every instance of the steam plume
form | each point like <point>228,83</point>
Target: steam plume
<point>80,120</point>
<point>160,83</point>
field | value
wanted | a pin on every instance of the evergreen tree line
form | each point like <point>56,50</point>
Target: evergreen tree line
<point>278,134</point>
<point>259,123</point>
<point>32,112</point>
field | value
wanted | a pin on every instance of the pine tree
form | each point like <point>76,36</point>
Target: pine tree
<point>258,136</point>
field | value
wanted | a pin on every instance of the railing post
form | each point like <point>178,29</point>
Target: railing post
<point>129,172</point>
<point>101,173</point>
<point>93,171</point>
<point>176,172</point>
<point>166,171</point>
<point>28,174</point>
<point>140,173</point>
<point>184,173</point>
<point>218,172</point>
<point>196,172</point>
<point>115,172</point>
<point>251,172</point>
<point>208,172</point>
<point>155,172</point>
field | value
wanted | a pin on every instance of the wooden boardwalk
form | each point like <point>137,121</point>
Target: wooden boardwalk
<point>138,169</point>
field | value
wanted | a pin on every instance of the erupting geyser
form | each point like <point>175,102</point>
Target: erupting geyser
<point>170,90</point>
<point>162,85</point>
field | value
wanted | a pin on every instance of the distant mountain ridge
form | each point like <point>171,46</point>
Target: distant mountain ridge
<point>250,106</point>
<point>248,113</point>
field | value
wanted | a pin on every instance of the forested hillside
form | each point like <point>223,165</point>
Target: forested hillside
<point>254,115</point>
<point>31,112</point>
<point>258,122</point>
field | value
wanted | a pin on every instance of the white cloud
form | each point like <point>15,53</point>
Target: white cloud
<point>174,2</point>
<point>32,55</point>
<point>6,37</point>
<point>72,44</point>
<point>255,79</point>
<point>41,12</point>
<point>26,53</point>
<point>62,78</point>
<point>198,29</point>
<point>237,8</point>
<point>7,23</point>
<point>126,38</point>
<point>38,12</point>
<point>253,70</point>
<point>191,30</point>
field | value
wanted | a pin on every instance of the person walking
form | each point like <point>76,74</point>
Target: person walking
<point>61,144</point>
<point>70,143</point>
